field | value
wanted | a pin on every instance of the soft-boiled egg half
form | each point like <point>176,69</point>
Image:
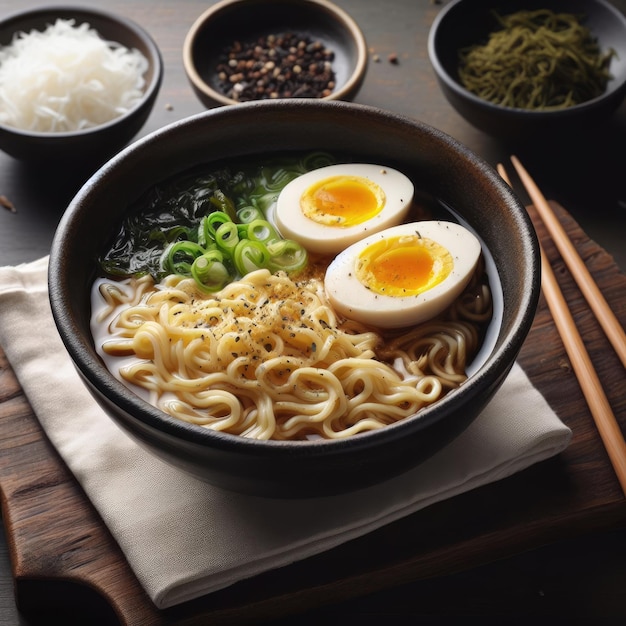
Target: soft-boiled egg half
<point>403,275</point>
<point>330,208</point>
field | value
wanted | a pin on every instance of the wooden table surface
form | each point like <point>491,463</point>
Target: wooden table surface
<point>559,565</point>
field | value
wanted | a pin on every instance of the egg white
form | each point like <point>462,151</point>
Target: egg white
<point>326,239</point>
<point>357,302</point>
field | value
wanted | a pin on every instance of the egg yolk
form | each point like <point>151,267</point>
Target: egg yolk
<point>342,201</point>
<point>403,266</point>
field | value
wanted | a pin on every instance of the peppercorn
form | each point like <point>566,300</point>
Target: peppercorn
<point>276,66</point>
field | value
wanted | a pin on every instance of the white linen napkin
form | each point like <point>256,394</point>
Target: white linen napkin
<point>184,538</point>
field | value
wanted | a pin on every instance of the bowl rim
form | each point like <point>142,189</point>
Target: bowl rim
<point>340,14</point>
<point>92,369</point>
<point>455,86</point>
<point>155,60</point>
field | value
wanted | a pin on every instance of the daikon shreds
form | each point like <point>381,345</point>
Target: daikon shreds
<point>67,78</point>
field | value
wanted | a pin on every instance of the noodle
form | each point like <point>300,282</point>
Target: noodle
<point>538,60</point>
<point>268,358</point>
<point>264,356</point>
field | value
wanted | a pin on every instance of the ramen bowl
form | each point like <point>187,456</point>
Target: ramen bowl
<point>90,145</point>
<point>296,38</point>
<point>464,23</point>
<point>437,164</point>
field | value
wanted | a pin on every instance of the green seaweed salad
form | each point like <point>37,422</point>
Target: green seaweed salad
<point>212,224</point>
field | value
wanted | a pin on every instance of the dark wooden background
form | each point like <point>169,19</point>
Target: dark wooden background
<point>561,565</point>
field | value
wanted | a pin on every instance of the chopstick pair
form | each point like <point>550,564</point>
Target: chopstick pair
<point>603,416</point>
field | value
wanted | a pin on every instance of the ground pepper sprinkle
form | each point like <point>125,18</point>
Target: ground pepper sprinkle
<point>277,66</point>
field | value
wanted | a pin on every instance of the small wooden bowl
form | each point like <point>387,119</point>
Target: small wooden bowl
<point>247,21</point>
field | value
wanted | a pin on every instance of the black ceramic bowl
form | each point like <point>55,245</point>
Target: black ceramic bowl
<point>248,21</point>
<point>96,144</point>
<point>463,23</point>
<point>439,166</point>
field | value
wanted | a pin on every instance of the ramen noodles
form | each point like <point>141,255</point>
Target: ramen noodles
<point>266,355</point>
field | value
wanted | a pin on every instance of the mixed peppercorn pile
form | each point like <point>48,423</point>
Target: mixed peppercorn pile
<point>277,66</point>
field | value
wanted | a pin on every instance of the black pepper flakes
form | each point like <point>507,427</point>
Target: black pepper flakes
<point>276,66</point>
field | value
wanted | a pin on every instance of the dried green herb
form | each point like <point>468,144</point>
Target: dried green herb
<point>538,60</point>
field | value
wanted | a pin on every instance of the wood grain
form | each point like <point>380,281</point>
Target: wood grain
<point>64,558</point>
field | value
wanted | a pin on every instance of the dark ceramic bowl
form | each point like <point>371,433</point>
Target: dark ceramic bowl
<point>93,145</point>
<point>463,23</point>
<point>248,20</point>
<point>439,166</point>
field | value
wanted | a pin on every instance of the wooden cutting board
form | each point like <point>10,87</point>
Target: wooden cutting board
<point>64,558</point>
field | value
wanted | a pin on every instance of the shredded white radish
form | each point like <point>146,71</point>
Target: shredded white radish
<point>67,78</point>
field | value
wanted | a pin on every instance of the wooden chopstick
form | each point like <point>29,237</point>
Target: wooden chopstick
<point>601,411</point>
<point>577,267</point>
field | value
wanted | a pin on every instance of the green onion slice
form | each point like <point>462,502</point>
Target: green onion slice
<point>249,214</point>
<point>209,271</point>
<point>286,255</point>
<point>215,220</point>
<point>227,237</point>
<point>250,256</point>
<point>178,257</point>
<point>262,230</point>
